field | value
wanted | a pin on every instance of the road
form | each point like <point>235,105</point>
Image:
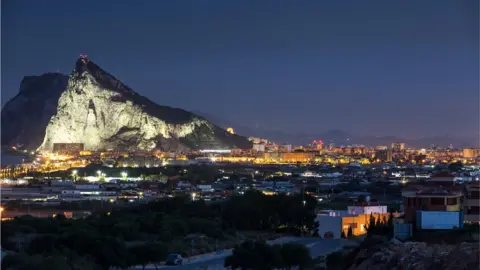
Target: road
<point>317,247</point>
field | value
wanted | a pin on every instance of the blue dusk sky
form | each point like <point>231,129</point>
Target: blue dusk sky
<point>407,68</point>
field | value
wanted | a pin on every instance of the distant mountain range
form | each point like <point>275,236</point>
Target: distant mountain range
<point>340,137</point>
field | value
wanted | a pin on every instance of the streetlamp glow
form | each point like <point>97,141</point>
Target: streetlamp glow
<point>193,196</point>
<point>99,172</point>
<point>74,172</point>
<point>124,175</point>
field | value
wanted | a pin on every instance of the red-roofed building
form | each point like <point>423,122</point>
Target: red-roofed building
<point>431,197</point>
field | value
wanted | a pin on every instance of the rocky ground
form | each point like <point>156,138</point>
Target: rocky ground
<point>418,256</point>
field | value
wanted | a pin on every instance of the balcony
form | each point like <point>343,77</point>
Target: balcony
<point>453,208</point>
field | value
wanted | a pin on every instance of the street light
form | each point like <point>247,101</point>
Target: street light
<point>124,175</point>
<point>74,174</point>
<point>193,196</point>
<point>1,209</point>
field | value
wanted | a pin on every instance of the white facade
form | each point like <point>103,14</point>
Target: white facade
<point>287,147</point>
<point>87,187</point>
<point>259,147</point>
<point>329,224</point>
<point>358,210</point>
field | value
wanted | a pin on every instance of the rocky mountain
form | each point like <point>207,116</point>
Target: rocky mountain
<point>26,116</point>
<point>96,109</point>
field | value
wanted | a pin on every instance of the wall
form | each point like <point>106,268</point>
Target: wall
<point>439,220</point>
<point>359,223</point>
<point>329,224</point>
<point>357,210</point>
<point>413,204</point>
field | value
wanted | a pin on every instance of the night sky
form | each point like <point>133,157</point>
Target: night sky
<point>404,68</point>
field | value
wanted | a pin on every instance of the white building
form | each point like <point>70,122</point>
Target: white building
<point>367,210</point>
<point>259,147</point>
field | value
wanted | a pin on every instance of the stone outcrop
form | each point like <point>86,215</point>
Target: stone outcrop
<point>418,256</point>
<point>96,109</point>
<point>26,116</point>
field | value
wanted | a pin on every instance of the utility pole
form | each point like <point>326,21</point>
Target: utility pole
<point>193,244</point>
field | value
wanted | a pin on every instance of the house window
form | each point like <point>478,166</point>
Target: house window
<point>437,201</point>
<point>474,194</point>
<point>452,201</point>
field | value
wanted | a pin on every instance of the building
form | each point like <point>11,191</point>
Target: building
<point>472,202</point>
<point>433,197</point>
<point>333,222</point>
<point>294,157</point>
<point>371,209</point>
<point>285,148</point>
<point>139,161</point>
<point>318,145</point>
<point>384,155</point>
<point>259,147</point>
<point>471,152</point>
<point>398,146</point>
<point>67,147</point>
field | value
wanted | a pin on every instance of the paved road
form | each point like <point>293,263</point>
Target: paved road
<point>213,261</point>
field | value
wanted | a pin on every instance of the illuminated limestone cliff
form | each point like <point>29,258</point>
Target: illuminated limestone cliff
<point>96,109</point>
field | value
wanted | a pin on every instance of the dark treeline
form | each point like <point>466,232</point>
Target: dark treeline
<point>144,234</point>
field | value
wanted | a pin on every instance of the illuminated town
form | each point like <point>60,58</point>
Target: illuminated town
<point>209,135</point>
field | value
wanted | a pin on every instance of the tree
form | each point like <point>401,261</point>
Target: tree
<point>371,226</point>
<point>390,226</point>
<point>456,166</point>
<point>150,253</point>
<point>60,261</point>
<point>254,255</point>
<point>261,256</point>
<point>295,255</point>
<point>349,232</point>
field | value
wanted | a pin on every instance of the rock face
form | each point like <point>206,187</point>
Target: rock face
<point>96,109</point>
<point>25,117</point>
<point>419,256</point>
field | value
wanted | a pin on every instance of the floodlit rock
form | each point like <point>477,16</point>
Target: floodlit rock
<point>96,109</point>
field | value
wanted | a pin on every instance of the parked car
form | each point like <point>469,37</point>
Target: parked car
<point>174,259</point>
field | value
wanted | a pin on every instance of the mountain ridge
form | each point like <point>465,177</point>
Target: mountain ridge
<point>340,137</point>
<point>97,109</point>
